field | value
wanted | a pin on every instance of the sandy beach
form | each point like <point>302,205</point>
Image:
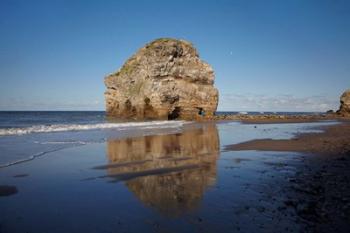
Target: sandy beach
<point>319,193</point>
<point>333,141</point>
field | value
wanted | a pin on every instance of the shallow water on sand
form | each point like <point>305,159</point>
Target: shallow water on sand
<point>151,180</point>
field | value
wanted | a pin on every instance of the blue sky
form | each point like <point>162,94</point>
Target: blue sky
<point>267,55</point>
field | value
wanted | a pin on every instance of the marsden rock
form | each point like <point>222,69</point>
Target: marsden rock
<point>344,108</point>
<point>165,79</point>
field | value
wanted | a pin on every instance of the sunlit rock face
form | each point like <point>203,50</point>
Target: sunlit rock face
<point>165,79</point>
<point>345,104</point>
<point>167,172</point>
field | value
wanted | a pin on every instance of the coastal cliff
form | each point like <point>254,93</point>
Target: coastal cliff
<point>165,79</point>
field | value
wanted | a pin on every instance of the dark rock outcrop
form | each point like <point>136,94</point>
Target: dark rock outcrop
<point>164,80</point>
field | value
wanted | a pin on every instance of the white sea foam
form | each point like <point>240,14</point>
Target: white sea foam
<point>62,143</point>
<point>79,127</point>
<point>31,157</point>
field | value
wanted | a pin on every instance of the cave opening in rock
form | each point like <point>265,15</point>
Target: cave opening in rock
<point>201,112</point>
<point>174,114</point>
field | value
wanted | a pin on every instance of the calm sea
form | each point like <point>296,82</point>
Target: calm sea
<point>26,135</point>
<point>51,119</point>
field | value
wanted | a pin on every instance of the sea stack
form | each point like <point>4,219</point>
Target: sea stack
<point>165,79</point>
<point>344,109</point>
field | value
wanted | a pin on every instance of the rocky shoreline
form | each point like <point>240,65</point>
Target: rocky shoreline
<point>274,118</point>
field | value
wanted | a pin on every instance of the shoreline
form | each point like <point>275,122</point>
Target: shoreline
<point>334,140</point>
<point>276,191</point>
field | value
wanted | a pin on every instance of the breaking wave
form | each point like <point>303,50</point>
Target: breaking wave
<point>80,127</point>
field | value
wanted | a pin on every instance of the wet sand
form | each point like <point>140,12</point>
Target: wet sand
<point>7,190</point>
<point>20,175</point>
<point>335,140</point>
<point>319,193</point>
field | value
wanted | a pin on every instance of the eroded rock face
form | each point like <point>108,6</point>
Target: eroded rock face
<point>345,104</point>
<point>164,80</point>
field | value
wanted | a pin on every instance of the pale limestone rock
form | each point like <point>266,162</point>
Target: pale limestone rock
<point>344,108</point>
<point>164,80</point>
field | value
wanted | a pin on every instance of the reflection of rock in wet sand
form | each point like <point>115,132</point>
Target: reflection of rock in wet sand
<point>168,172</point>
